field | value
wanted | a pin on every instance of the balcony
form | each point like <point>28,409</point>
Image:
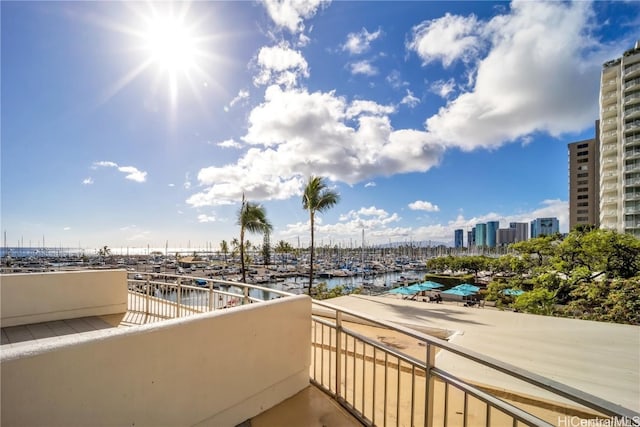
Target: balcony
<point>634,98</point>
<point>609,124</point>
<point>632,113</point>
<point>230,356</point>
<point>631,84</point>
<point>609,98</point>
<point>632,71</point>
<point>610,111</point>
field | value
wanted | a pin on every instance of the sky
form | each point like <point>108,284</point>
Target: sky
<point>137,124</point>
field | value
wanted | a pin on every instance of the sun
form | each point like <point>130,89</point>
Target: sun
<point>170,44</point>
<point>173,47</point>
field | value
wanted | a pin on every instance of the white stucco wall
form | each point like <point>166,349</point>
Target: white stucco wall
<point>41,297</point>
<point>215,369</point>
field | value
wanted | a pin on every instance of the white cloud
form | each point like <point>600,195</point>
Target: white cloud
<point>540,73</point>
<point>206,218</point>
<point>242,95</point>
<point>67,228</point>
<point>87,181</point>
<point>443,87</point>
<point>446,39</point>
<point>395,80</point>
<point>420,205</point>
<point>360,107</point>
<point>290,14</point>
<point>358,43</point>
<point>363,67</point>
<point>296,133</point>
<point>410,100</point>
<point>280,65</point>
<point>131,173</point>
<point>370,184</point>
<point>187,181</point>
<point>229,143</point>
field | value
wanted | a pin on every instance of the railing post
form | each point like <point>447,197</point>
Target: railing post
<point>179,297</point>
<point>338,352</point>
<point>146,298</point>
<point>245,291</point>
<point>211,296</point>
<point>429,387</point>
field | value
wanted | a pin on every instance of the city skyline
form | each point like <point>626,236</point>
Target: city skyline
<point>136,124</point>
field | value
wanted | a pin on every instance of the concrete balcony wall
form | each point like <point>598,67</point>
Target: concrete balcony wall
<point>213,369</point>
<point>43,297</point>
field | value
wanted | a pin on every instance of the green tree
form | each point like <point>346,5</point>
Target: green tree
<point>266,249</point>
<point>537,301</point>
<point>104,252</point>
<point>283,248</point>
<point>252,218</point>
<point>317,197</point>
<point>224,248</point>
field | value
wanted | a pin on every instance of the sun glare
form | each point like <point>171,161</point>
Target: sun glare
<point>170,44</point>
<point>174,47</point>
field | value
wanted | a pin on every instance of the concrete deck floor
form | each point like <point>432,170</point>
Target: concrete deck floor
<point>310,408</point>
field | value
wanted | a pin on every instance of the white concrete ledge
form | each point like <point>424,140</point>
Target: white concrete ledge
<point>214,369</point>
<point>43,297</point>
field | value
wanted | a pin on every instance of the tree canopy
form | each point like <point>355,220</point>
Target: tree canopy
<point>589,273</point>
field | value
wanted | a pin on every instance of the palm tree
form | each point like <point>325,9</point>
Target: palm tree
<point>252,218</point>
<point>317,197</point>
<point>224,248</point>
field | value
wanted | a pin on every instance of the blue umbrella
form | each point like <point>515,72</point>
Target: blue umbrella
<point>402,290</point>
<point>467,287</point>
<point>425,286</point>
<point>460,292</point>
<point>512,292</point>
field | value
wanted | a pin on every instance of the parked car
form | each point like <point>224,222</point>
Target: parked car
<point>138,276</point>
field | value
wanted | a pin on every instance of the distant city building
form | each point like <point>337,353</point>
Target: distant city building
<point>544,227</point>
<point>458,238</point>
<point>481,235</point>
<point>620,143</point>
<point>584,181</point>
<point>492,230</point>
<point>521,231</point>
<point>505,236</point>
<point>471,238</point>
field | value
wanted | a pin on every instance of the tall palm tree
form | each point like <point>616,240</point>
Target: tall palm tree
<point>252,218</point>
<point>224,248</point>
<point>317,197</point>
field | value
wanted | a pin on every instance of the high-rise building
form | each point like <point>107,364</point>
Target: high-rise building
<point>544,227</point>
<point>620,143</point>
<point>521,233</point>
<point>492,230</point>
<point>505,236</point>
<point>471,238</point>
<point>481,235</point>
<point>458,238</point>
<point>584,181</point>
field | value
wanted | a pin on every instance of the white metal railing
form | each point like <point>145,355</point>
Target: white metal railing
<point>382,386</point>
<point>165,296</point>
<point>377,384</point>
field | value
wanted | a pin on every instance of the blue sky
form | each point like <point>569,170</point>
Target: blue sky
<point>134,124</point>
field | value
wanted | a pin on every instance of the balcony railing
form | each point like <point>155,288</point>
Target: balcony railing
<point>378,384</point>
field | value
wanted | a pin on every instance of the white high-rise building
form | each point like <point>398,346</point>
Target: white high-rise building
<point>620,143</point>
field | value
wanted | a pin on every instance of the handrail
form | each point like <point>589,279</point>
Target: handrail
<point>573,394</point>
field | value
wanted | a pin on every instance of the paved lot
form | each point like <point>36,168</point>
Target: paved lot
<point>599,358</point>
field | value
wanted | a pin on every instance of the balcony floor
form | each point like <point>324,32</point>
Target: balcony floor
<point>50,331</point>
<point>311,407</point>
